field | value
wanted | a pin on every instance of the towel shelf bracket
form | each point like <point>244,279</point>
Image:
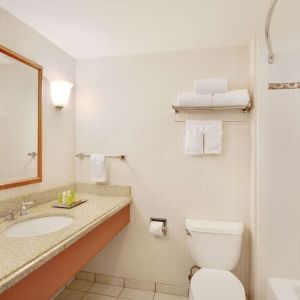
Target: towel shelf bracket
<point>82,156</point>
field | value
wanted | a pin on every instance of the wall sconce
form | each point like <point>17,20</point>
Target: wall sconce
<point>60,92</point>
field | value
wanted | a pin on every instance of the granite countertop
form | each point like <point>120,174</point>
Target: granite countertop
<point>20,256</point>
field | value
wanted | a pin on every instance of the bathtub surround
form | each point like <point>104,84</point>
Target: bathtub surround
<point>58,128</point>
<point>278,135</point>
<point>284,85</point>
<point>124,106</point>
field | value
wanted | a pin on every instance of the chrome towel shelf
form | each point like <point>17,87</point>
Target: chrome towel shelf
<point>82,156</point>
<point>181,109</point>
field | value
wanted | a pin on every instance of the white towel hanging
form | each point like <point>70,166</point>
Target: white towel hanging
<point>98,168</point>
<point>194,138</point>
<point>213,137</point>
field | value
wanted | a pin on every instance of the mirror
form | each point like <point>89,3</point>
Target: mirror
<point>20,120</point>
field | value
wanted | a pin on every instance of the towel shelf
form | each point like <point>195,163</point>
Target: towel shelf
<point>181,109</point>
<point>82,156</point>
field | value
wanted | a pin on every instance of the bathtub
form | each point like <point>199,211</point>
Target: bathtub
<point>283,289</point>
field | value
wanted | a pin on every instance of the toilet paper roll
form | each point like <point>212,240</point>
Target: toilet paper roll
<point>156,228</point>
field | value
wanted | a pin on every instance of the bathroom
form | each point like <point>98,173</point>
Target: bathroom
<point>101,195</point>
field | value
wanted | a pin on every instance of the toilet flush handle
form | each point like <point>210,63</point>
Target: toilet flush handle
<point>188,232</point>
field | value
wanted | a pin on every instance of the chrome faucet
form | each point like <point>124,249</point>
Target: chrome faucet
<point>24,211</point>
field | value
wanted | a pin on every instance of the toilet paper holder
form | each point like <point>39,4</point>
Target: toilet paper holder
<point>164,221</point>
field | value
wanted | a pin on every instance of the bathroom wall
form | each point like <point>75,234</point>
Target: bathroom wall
<point>58,127</point>
<point>124,107</point>
<point>278,161</point>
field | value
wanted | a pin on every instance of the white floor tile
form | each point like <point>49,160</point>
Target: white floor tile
<point>140,285</point>
<point>80,285</point>
<point>85,276</point>
<point>112,280</point>
<point>159,296</point>
<point>92,296</point>
<point>105,289</point>
<point>70,295</point>
<point>172,289</point>
<point>132,294</point>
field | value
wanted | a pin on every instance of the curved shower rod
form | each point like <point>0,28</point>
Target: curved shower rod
<point>267,30</point>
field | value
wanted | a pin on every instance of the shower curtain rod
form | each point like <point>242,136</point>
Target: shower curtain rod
<point>267,31</point>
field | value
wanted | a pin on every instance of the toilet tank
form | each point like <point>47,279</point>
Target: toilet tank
<point>215,244</point>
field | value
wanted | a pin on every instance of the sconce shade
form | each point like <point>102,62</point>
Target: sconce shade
<point>60,92</point>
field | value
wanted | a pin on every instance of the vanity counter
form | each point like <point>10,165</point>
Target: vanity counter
<point>21,256</point>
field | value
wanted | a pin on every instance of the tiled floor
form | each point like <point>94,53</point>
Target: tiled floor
<point>88,290</point>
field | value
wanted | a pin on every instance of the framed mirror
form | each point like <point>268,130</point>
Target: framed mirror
<point>20,120</point>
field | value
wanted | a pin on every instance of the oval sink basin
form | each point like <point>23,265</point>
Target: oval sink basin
<point>38,226</point>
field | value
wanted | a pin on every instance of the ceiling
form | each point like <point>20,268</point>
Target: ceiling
<point>95,28</point>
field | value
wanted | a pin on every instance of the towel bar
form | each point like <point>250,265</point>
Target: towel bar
<point>82,156</point>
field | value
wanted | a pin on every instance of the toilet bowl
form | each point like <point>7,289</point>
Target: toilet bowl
<point>215,247</point>
<point>210,284</point>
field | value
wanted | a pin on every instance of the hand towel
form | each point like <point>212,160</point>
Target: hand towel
<point>239,98</point>
<point>193,99</point>
<point>210,86</point>
<point>98,168</point>
<point>194,138</point>
<point>213,137</point>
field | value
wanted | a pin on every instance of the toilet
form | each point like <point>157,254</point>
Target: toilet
<point>216,248</point>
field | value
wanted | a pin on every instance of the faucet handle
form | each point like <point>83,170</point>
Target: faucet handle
<point>10,215</point>
<point>24,210</point>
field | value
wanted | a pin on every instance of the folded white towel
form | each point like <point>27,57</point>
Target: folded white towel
<point>98,168</point>
<point>194,138</point>
<point>213,137</point>
<point>210,86</point>
<point>193,99</point>
<point>239,98</point>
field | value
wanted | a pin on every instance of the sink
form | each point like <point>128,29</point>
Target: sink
<point>38,226</point>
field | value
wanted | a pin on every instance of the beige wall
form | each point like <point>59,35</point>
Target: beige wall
<point>58,127</point>
<point>278,172</point>
<point>124,107</point>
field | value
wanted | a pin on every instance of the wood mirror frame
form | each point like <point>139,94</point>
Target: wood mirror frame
<point>39,69</point>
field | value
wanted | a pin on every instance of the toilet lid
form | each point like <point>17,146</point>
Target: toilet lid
<point>210,284</point>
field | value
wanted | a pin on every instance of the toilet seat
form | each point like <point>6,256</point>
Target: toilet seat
<point>211,284</point>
